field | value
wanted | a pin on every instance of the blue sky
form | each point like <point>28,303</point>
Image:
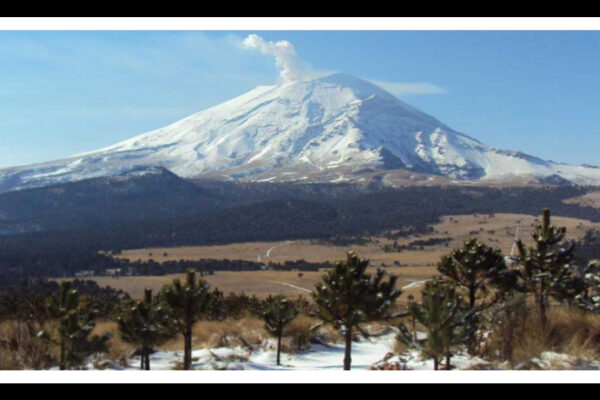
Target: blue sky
<point>63,93</point>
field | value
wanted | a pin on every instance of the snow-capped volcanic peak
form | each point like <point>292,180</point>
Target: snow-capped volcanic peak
<point>332,120</point>
<point>297,129</point>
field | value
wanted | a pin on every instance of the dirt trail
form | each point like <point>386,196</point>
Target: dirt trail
<point>292,286</point>
<point>414,284</point>
<point>270,250</point>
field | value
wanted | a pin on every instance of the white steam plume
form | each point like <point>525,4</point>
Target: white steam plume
<point>290,66</point>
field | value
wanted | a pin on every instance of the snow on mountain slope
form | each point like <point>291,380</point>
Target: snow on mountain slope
<point>337,124</point>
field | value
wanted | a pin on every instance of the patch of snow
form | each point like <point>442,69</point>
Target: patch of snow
<point>339,179</point>
<point>267,179</point>
<point>413,360</point>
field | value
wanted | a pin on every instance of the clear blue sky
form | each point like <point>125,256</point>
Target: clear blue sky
<point>62,93</point>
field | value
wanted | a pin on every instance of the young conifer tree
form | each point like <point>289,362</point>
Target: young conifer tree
<point>442,312</point>
<point>347,297</point>
<point>74,328</point>
<point>546,268</point>
<point>278,312</point>
<point>477,268</point>
<point>188,303</point>
<point>481,271</point>
<point>145,323</point>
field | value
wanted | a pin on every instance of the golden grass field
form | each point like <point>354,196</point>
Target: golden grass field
<point>496,230</point>
<point>591,199</point>
<point>259,283</point>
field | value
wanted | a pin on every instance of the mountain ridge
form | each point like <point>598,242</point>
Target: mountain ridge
<point>319,130</point>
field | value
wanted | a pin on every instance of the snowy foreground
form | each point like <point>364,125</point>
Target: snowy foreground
<point>366,354</point>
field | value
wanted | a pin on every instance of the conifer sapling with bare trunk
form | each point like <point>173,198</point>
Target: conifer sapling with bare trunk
<point>188,303</point>
<point>444,316</point>
<point>74,328</point>
<point>145,323</point>
<point>347,297</point>
<point>547,269</point>
<point>278,312</point>
<point>481,271</point>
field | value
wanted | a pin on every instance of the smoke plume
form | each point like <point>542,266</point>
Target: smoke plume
<point>290,66</point>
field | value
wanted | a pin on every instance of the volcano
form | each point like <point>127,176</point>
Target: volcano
<point>334,128</point>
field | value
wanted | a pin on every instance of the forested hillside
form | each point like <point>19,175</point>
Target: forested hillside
<point>75,221</point>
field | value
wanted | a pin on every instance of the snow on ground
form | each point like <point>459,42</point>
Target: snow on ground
<point>364,354</point>
<point>374,353</point>
<point>413,360</point>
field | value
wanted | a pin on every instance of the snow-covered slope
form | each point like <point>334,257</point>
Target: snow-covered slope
<point>303,130</point>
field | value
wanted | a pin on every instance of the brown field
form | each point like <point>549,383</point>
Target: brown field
<point>497,230</point>
<point>259,283</point>
<point>591,199</point>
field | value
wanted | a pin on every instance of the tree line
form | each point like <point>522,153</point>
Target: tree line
<point>56,263</point>
<point>268,213</point>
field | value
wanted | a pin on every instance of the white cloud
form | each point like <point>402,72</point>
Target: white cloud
<point>290,66</point>
<point>400,89</point>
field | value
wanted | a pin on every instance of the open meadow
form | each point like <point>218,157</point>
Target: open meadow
<point>497,230</point>
<point>412,265</point>
<point>259,283</point>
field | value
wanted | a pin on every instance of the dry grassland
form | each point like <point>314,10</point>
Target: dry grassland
<point>259,283</point>
<point>496,230</point>
<point>591,199</point>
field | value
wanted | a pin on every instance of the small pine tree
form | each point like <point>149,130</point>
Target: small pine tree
<point>188,303</point>
<point>546,269</point>
<point>74,328</point>
<point>443,314</point>
<point>145,323</point>
<point>477,269</point>
<point>348,297</point>
<point>278,312</point>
